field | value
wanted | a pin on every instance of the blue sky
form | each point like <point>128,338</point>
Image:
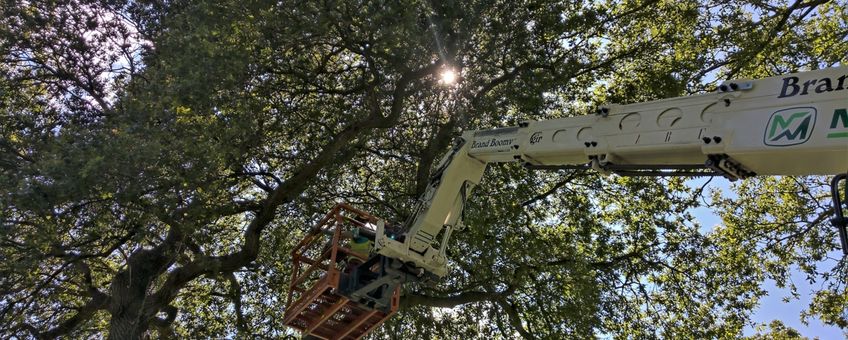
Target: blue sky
<point>772,306</point>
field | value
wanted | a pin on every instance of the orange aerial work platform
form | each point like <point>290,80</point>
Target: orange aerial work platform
<point>323,300</point>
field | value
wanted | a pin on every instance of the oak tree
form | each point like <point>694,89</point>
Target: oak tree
<point>159,160</point>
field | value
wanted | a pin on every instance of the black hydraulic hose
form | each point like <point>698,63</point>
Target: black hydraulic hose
<point>840,221</point>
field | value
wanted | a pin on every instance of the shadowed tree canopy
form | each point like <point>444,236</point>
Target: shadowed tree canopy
<point>159,159</point>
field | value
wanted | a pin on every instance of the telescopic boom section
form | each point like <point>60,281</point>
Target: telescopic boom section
<point>795,124</point>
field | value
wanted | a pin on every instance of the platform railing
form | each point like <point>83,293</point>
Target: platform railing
<point>315,265</point>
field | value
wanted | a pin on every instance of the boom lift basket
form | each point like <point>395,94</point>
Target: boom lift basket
<point>321,263</point>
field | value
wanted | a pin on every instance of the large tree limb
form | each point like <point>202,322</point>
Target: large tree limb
<point>413,300</point>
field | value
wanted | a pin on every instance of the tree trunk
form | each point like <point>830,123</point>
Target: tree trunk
<point>129,288</point>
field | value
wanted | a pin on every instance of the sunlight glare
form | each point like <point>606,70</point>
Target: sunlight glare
<point>448,77</point>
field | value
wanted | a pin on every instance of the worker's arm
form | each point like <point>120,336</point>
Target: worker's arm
<point>788,125</point>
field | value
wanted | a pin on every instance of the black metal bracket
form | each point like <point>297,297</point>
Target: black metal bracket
<point>728,167</point>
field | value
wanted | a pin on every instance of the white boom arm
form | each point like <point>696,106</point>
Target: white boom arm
<point>787,125</point>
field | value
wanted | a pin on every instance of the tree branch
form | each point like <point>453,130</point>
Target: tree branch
<point>235,295</point>
<point>413,300</point>
<point>514,318</point>
<point>98,301</point>
<point>553,189</point>
<point>342,146</point>
<point>163,325</point>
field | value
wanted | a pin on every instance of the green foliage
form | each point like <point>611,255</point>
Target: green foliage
<point>159,160</point>
<point>777,330</point>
